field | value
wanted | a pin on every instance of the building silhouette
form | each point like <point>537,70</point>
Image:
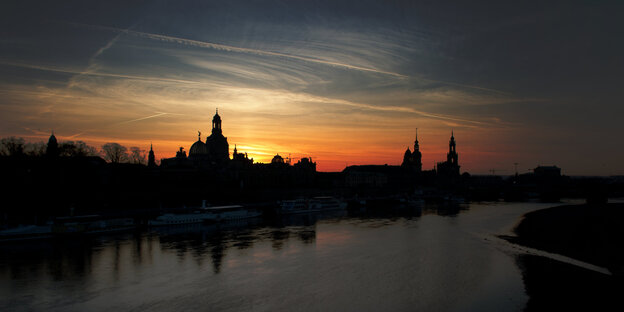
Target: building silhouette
<point>449,168</point>
<point>151,158</point>
<point>215,150</point>
<point>52,149</point>
<point>213,153</point>
<point>413,160</point>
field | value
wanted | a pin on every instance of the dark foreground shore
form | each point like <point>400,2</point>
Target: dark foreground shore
<point>590,233</point>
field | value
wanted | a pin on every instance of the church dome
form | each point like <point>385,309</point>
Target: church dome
<point>277,159</point>
<point>408,152</point>
<point>52,139</point>
<point>216,117</point>
<point>198,148</point>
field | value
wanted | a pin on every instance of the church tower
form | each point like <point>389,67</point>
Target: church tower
<point>413,159</point>
<point>451,157</point>
<point>216,124</point>
<point>52,150</point>
<point>217,145</point>
<point>151,159</point>
<point>416,155</point>
<point>450,168</point>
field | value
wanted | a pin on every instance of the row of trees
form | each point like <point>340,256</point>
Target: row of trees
<point>111,152</point>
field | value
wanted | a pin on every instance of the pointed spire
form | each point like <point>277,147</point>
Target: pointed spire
<point>198,135</point>
<point>151,147</point>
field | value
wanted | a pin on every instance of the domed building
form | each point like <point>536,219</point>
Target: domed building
<point>199,150</point>
<point>214,153</point>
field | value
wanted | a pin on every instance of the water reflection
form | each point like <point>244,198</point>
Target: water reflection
<point>406,257</point>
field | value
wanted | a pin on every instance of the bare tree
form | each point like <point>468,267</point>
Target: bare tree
<point>12,146</point>
<point>76,149</point>
<point>114,152</point>
<point>137,155</point>
<point>35,149</point>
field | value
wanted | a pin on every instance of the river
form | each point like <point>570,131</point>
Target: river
<point>430,258</point>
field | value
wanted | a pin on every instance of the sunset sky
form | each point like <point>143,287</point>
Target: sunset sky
<point>343,82</point>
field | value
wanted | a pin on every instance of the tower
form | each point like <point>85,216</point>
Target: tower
<point>52,150</point>
<point>216,123</point>
<point>416,155</point>
<point>216,144</point>
<point>449,168</point>
<point>151,159</point>
<point>413,160</point>
<point>451,157</point>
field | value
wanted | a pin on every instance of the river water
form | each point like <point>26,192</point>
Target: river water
<point>430,258</point>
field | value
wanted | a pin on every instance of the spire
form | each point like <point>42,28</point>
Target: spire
<point>198,135</point>
<point>151,158</point>
<point>416,147</point>
<point>234,149</point>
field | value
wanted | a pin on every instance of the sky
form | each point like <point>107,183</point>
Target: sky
<point>343,82</point>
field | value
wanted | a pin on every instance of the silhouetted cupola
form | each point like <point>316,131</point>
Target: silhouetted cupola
<point>216,123</point>
<point>52,149</point>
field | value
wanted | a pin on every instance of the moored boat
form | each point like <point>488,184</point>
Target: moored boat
<point>182,218</point>
<point>326,203</point>
<point>296,206</point>
<point>231,212</point>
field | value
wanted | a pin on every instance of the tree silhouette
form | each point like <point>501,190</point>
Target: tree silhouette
<point>115,152</point>
<point>76,149</point>
<point>137,155</point>
<point>12,146</point>
<point>35,149</point>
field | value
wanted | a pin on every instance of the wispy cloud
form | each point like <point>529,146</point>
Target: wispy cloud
<point>223,47</point>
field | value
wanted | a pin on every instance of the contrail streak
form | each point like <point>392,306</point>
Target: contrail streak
<point>138,119</point>
<point>404,110</point>
<point>223,47</point>
<point>121,123</point>
<point>464,86</point>
<point>70,71</point>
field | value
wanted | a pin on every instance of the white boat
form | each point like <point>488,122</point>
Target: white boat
<point>90,224</point>
<point>296,206</point>
<point>182,218</point>
<point>232,212</point>
<point>326,203</point>
<point>26,232</point>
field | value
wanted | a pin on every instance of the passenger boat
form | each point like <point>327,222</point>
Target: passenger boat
<point>232,212</point>
<point>296,206</point>
<point>90,224</point>
<point>326,203</point>
<point>72,225</point>
<point>26,232</point>
<point>182,218</point>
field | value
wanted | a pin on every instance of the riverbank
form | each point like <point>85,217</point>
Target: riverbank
<point>590,233</point>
